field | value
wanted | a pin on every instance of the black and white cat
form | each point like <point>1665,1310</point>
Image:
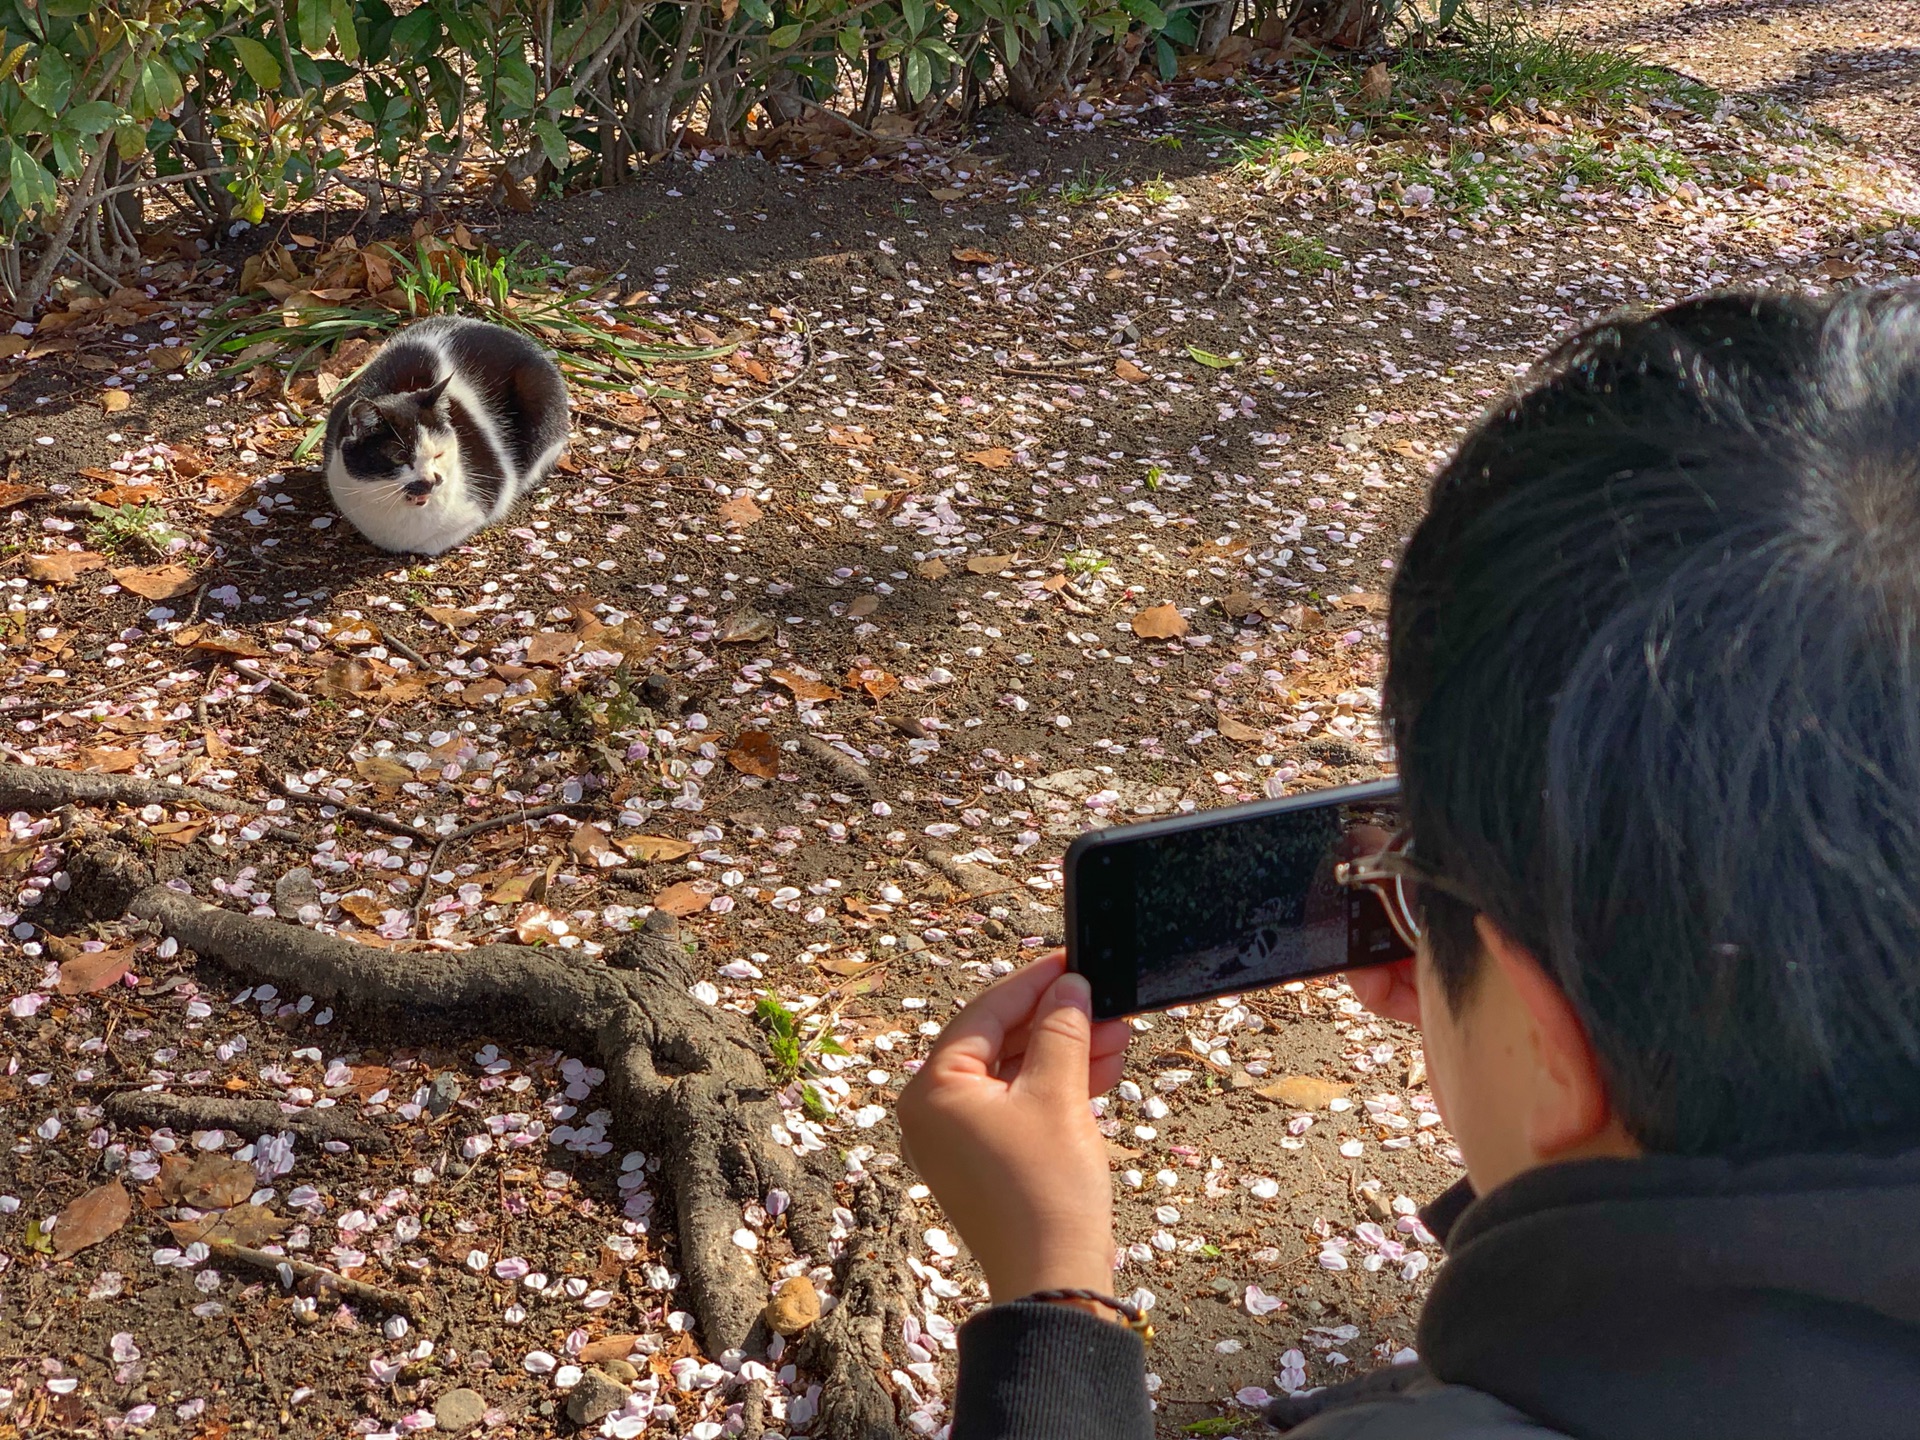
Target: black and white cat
<point>446,427</point>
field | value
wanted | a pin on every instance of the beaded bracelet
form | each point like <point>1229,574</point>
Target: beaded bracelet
<point>1135,1318</point>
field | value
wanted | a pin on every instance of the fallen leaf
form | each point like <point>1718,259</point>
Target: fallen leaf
<point>513,890</point>
<point>1161,622</point>
<point>1126,370</point>
<point>946,193</point>
<point>850,436</point>
<point>844,968</point>
<point>112,400</point>
<point>1303,1092</point>
<point>12,345</point>
<point>92,1218</point>
<point>63,567</point>
<point>12,495</point>
<point>745,627</point>
<point>590,843</point>
<point>379,770</point>
<point>155,582</point>
<point>1234,730</point>
<point>171,357</point>
<point>863,606</point>
<point>364,908</point>
<point>116,497</point>
<point>933,569</point>
<point>683,899</point>
<point>752,369</point>
<point>651,848</point>
<point>988,564</point>
<point>755,753</point>
<point>220,642</point>
<point>108,760</point>
<point>1376,86</point>
<point>357,636</point>
<point>551,647</point>
<point>968,256</point>
<point>92,970</point>
<point>877,683</point>
<point>451,618</point>
<point>607,1347</point>
<point>1303,618</point>
<point>802,687</point>
<point>177,832</point>
<point>1241,603</point>
<point>996,458</point>
<point>211,1182</point>
<point>1211,360</point>
<point>1370,601</point>
<point>738,510</point>
<point>250,1225</point>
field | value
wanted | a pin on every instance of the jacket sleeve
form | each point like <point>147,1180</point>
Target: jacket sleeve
<point>1050,1372</point>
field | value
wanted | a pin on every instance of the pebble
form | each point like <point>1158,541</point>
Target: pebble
<point>622,1370</point>
<point>795,1308</point>
<point>597,1396</point>
<point>459,1410</point>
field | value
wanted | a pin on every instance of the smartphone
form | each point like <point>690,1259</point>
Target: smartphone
<point>1172,911</point>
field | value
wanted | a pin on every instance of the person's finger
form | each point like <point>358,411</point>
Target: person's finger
<point>1110,1037</point>
<point>1055,1062</point>
<point>1105,1071</point>
<point>978,1036</point>
<point>1387,990</point>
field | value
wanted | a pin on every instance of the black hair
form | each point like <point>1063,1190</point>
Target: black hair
<point>1654,680</point>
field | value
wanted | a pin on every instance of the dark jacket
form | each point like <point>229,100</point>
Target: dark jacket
<point>1656,1299</point>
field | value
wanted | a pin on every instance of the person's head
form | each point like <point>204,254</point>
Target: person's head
<point>1654,681</point>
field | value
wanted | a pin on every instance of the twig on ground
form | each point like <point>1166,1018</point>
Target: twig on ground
<point>156,1109</point>
<point>806,368</point>
<point>279,689</point>
<point>979,883</point>
<point>480,827</point>
<point>41,787</point>
<point>253,1359</point>
<point>322,1281</point>
<point>371,819</point>
<point>394,643</point>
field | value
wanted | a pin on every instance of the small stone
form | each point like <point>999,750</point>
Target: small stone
<point>442,1094</point>
<point>459,1410</point>
<point>597,1396</point>
<point>622,1370</point>
<point>294,890</point>
<point>795,1308</point>
<point>745,627</point>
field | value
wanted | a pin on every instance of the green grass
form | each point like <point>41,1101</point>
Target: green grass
<point>1305,253</point>
<point>792,1050</point>
<point>130,531</point>
<point>1087,187</point>
<point>1157,191</point>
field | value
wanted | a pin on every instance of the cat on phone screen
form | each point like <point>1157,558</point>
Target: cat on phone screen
<point>446,427</point>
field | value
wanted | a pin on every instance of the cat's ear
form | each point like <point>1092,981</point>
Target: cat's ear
<point>430,398</point>
<point>363,418</point>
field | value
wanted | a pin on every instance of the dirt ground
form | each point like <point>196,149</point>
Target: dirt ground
<point>995,400</point>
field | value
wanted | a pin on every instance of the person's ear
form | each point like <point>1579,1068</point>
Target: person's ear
<point>1570,1115</point>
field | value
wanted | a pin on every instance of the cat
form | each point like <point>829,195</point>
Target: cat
<point>446,427</point>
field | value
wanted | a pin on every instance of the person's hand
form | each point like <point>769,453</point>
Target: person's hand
<point>998,1125</point>
<point>1387,990</point>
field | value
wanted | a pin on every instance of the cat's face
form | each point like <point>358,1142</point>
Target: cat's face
<point>403,444</point>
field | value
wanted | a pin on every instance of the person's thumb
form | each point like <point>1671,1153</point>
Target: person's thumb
<point>1058,1040</point>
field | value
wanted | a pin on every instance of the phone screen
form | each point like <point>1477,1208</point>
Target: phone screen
<point>1234,899</point>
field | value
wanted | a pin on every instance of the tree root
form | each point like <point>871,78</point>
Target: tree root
<point>689,1082</point>
<point>320,1281</point>
<point>980,883</point>
<point>41,787</point>
<point>851,773</point>
<point>247,1117</point>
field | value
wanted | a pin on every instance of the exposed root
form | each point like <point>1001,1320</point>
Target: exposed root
<point>480,827</point>
<point>688,1080</point>
<point>247,1117</point>
<point>41,787</point>
<point>851,773</point>
<point>314,1279</point>
<point>980,883</point>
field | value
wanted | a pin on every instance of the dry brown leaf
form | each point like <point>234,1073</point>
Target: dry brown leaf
<point>590,844</point>
<point>12,495</point>
<point>933,569</point>
<point>356,636</point>
<point>752,369</point>
<point>877,683</point>
<point>1235,730</point>
<point>349,678</point>
<point>1303,1092</point>
<point>683,899</point>
<point>364,908</point>
<point>844,968</point>
<point>108,760</point>
<point>946,193</point>
<point>852,437</point>
<point>379,770</point>
<point>177,832</point>
<point>12,345</point>
<point>208,1182</point>
<point>802,687</point>
<point>513,890</point>
<point>988,564</point>
<point>863,606</point>
<point>451,618</point>
<point>997,457</point>
<point>650,848</point>
<point>1370,601</point>
<point>968,256</point>
<point>155,582</point>
<point>112,400</point>
<point>738,510</point>
<point>250,1225</point>
<point>745,627</point>
<point>92,970</point>
<point>551,647</point>
<point>1160,622</point>
<point>755,753</point>
<point>1376,86</point>
<point>607,1347</point>
<point>92,1218</point>
<point>1126,370</point>
<point>171,357</point>
<point>115,497</point>
<point>220,642</point>
<point>63,567</point>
